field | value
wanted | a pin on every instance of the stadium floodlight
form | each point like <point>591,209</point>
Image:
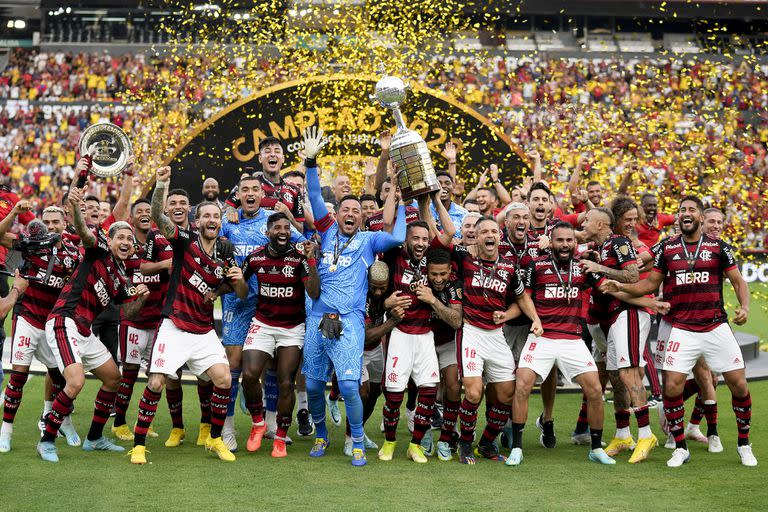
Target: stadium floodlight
<point>206,7</point>
<point>68,10</point>
<point>19,24</point>
<point>10,24</point>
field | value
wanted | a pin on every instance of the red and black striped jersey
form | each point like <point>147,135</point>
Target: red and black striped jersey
<point>376,221</point>
<point>521,254</point>
<point>694,288</point>
<point>97,281</point>
<point>281,285</point>
<point>194,273</point>
<point>488,286</point>
<point>616,252</point>
<point>558,304</point>
<point>544,230</point>
<point>282,192</point>
<point>40,297</point>
<point>448,296</point>
<point>155,249</point>
<point>405,275</point>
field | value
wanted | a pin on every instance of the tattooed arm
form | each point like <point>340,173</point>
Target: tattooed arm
<point>164,224</point>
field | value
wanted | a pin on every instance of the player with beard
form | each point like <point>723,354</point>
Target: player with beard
<point>493,294</point>
<point>444,296</point>
<point>281,271</point>
<point>203,267</point>
<point>138,335</point>
<point>411,346</point>
<point>556,283</point>
<point>691,267</point>
<point>540,207</point>
<point>98,280</point>
<point>55,264</point>
<point>248,233</point>
<point>518,245</point>
<point>335,332</point>
<point>626,329</point>
<point>177,209</point>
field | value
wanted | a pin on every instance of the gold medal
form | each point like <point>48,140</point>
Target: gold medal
<point>332,268</point>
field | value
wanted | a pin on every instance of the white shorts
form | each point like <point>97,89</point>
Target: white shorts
<point>517,336</point>
<point>446,355</point>
<point>135,344</point>
<point>373,365</point>
<point>485,352</point>
<point>175,347</point>
<point>268,338</point>
<point>719,348</point>
<point>599,343</point>
<point>29,342</point>
<point>572,357</point>
<point>69,346</point>
<point>626,340</point>
<point>410,356</point>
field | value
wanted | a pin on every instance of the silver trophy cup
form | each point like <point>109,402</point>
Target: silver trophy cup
<point>409,153</point>
<point>108,148</point>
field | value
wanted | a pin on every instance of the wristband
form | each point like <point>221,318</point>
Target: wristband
<point>312,262</point>
<point>310,162</point>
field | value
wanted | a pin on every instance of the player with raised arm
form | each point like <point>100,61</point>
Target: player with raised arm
<point>283,271</point>
<point>203,266</point>
<point>692,266</point>
<point>48,269</point>
<point>99,279</point>
<point>493,294</point>
<point>137,335</point>
<point>335,331</point>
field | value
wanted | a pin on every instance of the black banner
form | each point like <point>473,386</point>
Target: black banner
<point>227,144</point>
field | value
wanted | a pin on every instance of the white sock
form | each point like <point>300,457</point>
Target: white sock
<point>301,397</point>
<point>710,402</point>
<point>47,406</point>
<point>623,433</point>
<point>271,417</point>
<point>229,422</point>
<point>6,429</point>
<point>644,432</point>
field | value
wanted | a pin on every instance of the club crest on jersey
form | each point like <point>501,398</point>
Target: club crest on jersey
<point>218,272</point>
<point>705,255</point>
<point>288,271</point>
<point>503,274</point>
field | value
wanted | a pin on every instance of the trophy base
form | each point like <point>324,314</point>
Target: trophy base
<point>416,192</point>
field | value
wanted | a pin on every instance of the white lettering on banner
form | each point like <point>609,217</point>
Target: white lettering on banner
<point>101,292</point>
<point>685,277</point>
<point>754,272</point>
<point>276,291</point>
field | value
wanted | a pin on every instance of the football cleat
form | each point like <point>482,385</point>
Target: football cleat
<point>693,432</point>
<point>229,435</point>
<point>47,451</point>
<point>138,454</point>
<point>358,457</point>
<point>643,448</point>
<point>318,450</point>
<point>175,438</point>
<point>205,433</point>
<point>618,445</point>
<point>306,426</point>
<point>219,448</point>
<point>387,450</point>
<point>69,432</point>
<point>655,401</point>
<point>515,457</point>
<point>581,438</point>
<point>436,422</point>
<point>746,455</point>
<point>428,444</point>
<point>278,449</point>
<point>488,450</point>
<point>255,437</point>
<point>416,453</point>
<point>547,429</point>
<point>334,411</point>
<point>348,445</point>
<point>466,455</point>
<point>122,432</point>
<point>369,444</point>
<point>714,445</point>
<point>506,438</point>
<point>598,455</point>
<point>444,451</point>
<point>5,443</point>
<point>101,444</point>
<point>679,457</point>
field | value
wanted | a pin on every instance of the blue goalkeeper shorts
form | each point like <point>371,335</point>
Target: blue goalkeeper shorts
<point>344,355</point>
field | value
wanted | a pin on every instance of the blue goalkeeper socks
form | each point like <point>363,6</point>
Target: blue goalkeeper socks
<point>233,391</point>
<point>350,390</point>
<point>316,396</point>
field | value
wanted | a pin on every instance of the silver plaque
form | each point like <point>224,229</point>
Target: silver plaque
<point>108,147</point>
